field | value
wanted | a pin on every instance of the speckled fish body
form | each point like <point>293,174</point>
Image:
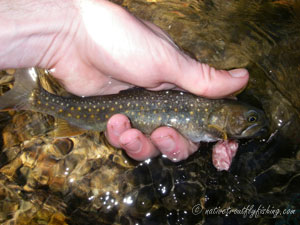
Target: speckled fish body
<point>197,118</point>
<point>146,110</point>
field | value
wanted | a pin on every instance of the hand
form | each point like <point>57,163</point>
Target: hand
<point>97,47</point>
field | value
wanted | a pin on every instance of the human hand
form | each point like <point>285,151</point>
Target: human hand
<point>100,48</point>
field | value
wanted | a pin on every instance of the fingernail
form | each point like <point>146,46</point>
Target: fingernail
<point>119,128</point>
<point>166,144</point>
<point>133,146</point>
<point>238,72</point>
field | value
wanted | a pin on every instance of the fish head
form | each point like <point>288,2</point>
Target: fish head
<point>240,120</point>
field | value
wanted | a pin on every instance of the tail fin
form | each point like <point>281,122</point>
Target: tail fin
<point>17,98</point>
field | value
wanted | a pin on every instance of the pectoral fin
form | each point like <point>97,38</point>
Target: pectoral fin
<point>64,129</point>
<point>217,132</point>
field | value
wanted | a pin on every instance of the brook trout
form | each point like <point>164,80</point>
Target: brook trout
<point>197,118</point>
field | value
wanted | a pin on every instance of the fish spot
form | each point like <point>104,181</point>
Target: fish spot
<point>84,115</point>
<point>202,119</point>
<point>116,103</point>
<point>90,110</point>
<point>94,106</point>
<point>72,108</point>
<point>136,104</point>
<point>147,103</point>
<point>164,110</point>
<point>132,113</point>
<point>85,107</point>
<point>78,116</point>
<point>79,108</point>
<point>112,109</point>
<point>92,116</point>
<point>182,115</point>
<point>158,103</point>
<point>192,105</point>
<point>128,104</point>
<point>69,115</point>
<point>175,109</point>
<point>47,98</point>
<point>127,111</point>
<point>159,118</point>
<point>120,106</point>
<point>103,108</point>
<point>52,107</point>
<point>206,109</point>
<point>39,102</point>
<point>98,110</point>
<point>62,103</point>
<point>139,113</point>
<point>60,110</point>
<point>154,112</point>
<point>106,116</point>
<point>198,110</point>
<point>46,104</point>
<point>191,113</point>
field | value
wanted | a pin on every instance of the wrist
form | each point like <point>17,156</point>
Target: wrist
<point>31,31</point>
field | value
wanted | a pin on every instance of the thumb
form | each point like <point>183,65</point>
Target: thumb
<point>201,79</point>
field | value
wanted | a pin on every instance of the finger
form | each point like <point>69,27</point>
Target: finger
<point>204,80</point>
<point>116,125</point>
<point>172,144</point>
<point>223,154</point>
<point>163,86</point>
<point>137,145</point>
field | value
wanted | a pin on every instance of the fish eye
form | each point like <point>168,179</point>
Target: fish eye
<point>252,119</point>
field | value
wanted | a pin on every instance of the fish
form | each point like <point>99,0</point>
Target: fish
<point>198,119</point>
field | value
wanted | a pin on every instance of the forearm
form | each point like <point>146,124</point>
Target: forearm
<point>30,29</point>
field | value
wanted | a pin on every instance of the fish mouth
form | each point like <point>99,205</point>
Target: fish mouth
<point>255,130</point>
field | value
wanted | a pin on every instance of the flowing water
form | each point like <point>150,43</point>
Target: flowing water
<point>83,180</point>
